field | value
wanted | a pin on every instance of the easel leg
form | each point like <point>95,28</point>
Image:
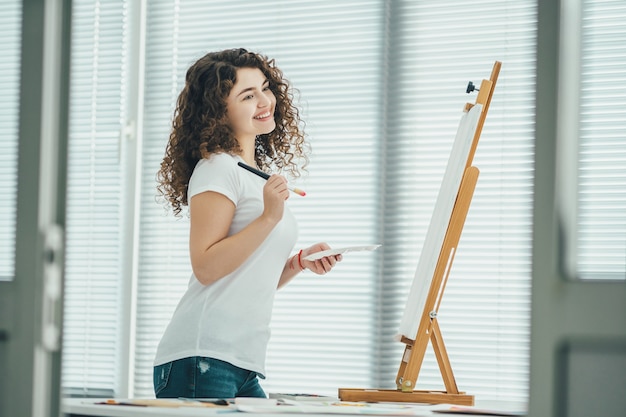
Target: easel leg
<point>442,358</point>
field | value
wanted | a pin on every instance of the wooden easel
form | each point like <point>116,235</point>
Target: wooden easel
<point>428,328</point>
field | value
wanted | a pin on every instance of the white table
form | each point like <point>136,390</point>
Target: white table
<point>79,407</point>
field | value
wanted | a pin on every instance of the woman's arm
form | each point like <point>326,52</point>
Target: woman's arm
<point>297,263</point>
<point>213,253</point>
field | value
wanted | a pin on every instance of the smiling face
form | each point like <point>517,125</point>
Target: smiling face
<point>250,105</point>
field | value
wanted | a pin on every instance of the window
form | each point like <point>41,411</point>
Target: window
<point>382,85</point>
<point>602,142</point>
<point>10,31</point>
<point>382,103</point>
<point>341,102</point>
<point>95,200</point>
<point>484,315</point>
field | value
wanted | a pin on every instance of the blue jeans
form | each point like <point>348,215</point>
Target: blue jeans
<point>199,377</point>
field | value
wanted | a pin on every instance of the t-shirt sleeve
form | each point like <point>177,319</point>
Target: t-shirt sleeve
<point>217,173</point>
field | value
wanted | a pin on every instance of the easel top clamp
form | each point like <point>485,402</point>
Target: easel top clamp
<point>428,328</point>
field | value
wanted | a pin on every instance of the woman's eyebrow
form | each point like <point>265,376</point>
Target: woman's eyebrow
<point>245,90</point>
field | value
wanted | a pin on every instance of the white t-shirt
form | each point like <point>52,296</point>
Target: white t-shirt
<point>229,319</point>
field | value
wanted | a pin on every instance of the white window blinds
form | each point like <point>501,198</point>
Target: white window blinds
<point>382,86</point>
<point>95,203</point>
<point>602,142</point>
<point>10,32</point>
<point>340,87</point>
<point>484,316</point>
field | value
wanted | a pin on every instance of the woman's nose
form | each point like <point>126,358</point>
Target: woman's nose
<point>264,101</point>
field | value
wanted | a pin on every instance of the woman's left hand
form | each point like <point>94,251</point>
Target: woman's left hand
<point>319,266</point>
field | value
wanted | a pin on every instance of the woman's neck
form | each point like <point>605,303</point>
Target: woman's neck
<point>247,154</point>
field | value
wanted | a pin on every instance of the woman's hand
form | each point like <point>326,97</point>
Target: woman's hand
<point>275,192</point>
<point>319,266</point>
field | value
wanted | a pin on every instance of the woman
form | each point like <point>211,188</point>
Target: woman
<point>235,107</point>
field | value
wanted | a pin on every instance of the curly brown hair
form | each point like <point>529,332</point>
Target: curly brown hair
<point>200,126</point>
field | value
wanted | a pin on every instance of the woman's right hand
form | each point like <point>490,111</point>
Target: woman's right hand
<point>275,192</point>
